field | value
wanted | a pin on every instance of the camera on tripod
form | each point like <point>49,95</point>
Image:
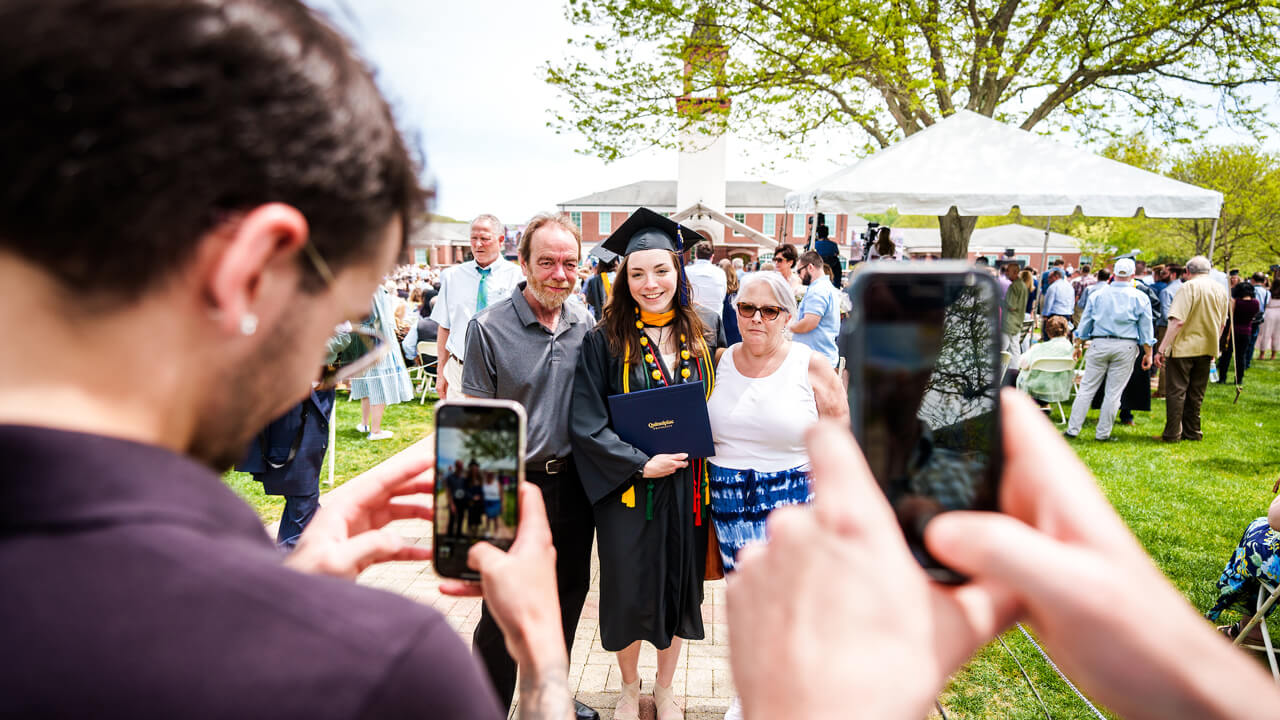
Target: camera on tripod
<point>876,239</point>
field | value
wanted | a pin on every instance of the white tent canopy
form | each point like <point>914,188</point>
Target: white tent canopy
<point>981,166</point>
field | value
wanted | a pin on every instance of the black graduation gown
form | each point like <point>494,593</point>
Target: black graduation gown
<point>594,290</point>
<point>650,570</point>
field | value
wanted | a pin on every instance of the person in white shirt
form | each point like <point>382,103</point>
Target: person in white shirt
<point>465,290</point>
<point>706,281</point>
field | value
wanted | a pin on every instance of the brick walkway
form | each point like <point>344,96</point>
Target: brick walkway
<point>702,678</point>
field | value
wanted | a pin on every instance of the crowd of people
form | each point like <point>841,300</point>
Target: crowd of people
<point>227,185</point>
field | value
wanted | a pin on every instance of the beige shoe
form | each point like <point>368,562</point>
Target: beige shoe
<point>665,700</point>
<point>628,707</point>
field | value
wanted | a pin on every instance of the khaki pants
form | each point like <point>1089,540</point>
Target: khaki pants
<point>1110,359</point>
<point>453,375</point>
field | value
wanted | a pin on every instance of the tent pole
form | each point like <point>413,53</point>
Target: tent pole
<point>1213,236</point>
<point>1044,260</point>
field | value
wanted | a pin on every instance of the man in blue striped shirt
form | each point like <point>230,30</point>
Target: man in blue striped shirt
<point>1059,299</point>
<point>1117,322</point>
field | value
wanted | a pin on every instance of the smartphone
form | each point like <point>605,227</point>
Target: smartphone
<point>923,353</point>
<point>480,446</point>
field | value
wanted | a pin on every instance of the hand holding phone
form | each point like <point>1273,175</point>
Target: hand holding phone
<point>480,447</point>
<point>922,346</point>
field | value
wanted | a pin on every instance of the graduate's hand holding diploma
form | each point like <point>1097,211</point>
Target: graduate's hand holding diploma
<point>814,629</point>
<point>664,464</point>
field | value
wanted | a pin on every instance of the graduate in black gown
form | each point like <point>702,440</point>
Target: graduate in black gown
<point>651,513</point>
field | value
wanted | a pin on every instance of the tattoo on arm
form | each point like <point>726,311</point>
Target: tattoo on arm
<point>545,695</point>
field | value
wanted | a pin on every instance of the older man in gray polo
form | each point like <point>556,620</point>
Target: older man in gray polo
<point>525,348</point>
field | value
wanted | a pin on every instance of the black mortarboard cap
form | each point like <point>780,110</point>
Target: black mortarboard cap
<point>1131,255</point>
<point>648,230</point>
<point>602,254</point>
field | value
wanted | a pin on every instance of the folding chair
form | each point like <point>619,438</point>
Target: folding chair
<point>426,371</point>
<point>1056,366</point>
<point>1267,596</point>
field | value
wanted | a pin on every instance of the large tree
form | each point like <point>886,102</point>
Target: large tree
<point>1248,228</point>
<point>885,70</point>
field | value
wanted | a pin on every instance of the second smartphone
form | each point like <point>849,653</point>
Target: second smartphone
<point>922,348</point>
<point>480,446</point>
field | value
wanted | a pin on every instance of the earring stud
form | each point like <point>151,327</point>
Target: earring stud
<point>248,324</point>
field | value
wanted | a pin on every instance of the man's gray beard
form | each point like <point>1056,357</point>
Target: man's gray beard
<point>546,300</point>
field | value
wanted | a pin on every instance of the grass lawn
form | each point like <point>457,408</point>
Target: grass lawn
<point>1188,503</point>
<point>409,421</point>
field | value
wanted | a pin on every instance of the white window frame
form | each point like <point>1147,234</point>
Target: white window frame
<point>604,222</point>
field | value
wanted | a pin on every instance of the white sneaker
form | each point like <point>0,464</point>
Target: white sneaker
<point>381,435</point>
<point>362,428</point>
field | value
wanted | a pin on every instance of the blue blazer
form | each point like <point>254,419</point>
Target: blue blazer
<point>267,457</point>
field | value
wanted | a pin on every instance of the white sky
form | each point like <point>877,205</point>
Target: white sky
<point>464,76</point>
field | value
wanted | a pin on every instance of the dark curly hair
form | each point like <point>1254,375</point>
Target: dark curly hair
<point>134,127</point>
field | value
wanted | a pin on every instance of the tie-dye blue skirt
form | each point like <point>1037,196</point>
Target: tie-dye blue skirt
<point>741,500</point>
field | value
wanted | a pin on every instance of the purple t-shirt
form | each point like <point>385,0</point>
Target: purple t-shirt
<point>138,585</point>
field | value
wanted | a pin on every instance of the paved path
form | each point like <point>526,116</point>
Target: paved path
<point>702,678</point>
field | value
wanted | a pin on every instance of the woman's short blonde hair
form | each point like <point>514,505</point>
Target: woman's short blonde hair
<point>777,284</point>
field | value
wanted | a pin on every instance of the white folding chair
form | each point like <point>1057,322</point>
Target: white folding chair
<point>1055,366</point>
<point>426,371</point>
<point>1267,596</point>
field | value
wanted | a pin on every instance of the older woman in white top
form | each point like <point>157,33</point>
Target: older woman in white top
<point>769,391</point>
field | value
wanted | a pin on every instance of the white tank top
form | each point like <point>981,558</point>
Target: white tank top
<point>759,423</point>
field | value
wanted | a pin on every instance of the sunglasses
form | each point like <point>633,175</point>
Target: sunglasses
<point>746,311</point>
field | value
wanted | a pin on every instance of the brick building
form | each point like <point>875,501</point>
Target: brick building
<point>758,205</point>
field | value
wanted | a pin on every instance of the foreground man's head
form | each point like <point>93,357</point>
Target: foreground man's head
<point>167,163</point>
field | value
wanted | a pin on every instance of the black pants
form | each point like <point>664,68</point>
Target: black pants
<point>572,528</point>
<point>1241,357</point>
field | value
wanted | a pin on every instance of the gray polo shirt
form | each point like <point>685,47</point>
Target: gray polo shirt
<point>511,356</point>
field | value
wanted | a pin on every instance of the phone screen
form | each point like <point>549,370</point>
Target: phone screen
<point>924,394</point>
<point>479,464</point>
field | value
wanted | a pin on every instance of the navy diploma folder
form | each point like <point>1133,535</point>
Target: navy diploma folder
<point>668,419</point>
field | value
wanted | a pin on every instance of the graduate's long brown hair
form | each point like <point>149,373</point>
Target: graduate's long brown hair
<point>620,315</point>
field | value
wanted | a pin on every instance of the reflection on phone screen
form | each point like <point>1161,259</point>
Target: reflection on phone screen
<point>477,471</point>
<point>928,396</point>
